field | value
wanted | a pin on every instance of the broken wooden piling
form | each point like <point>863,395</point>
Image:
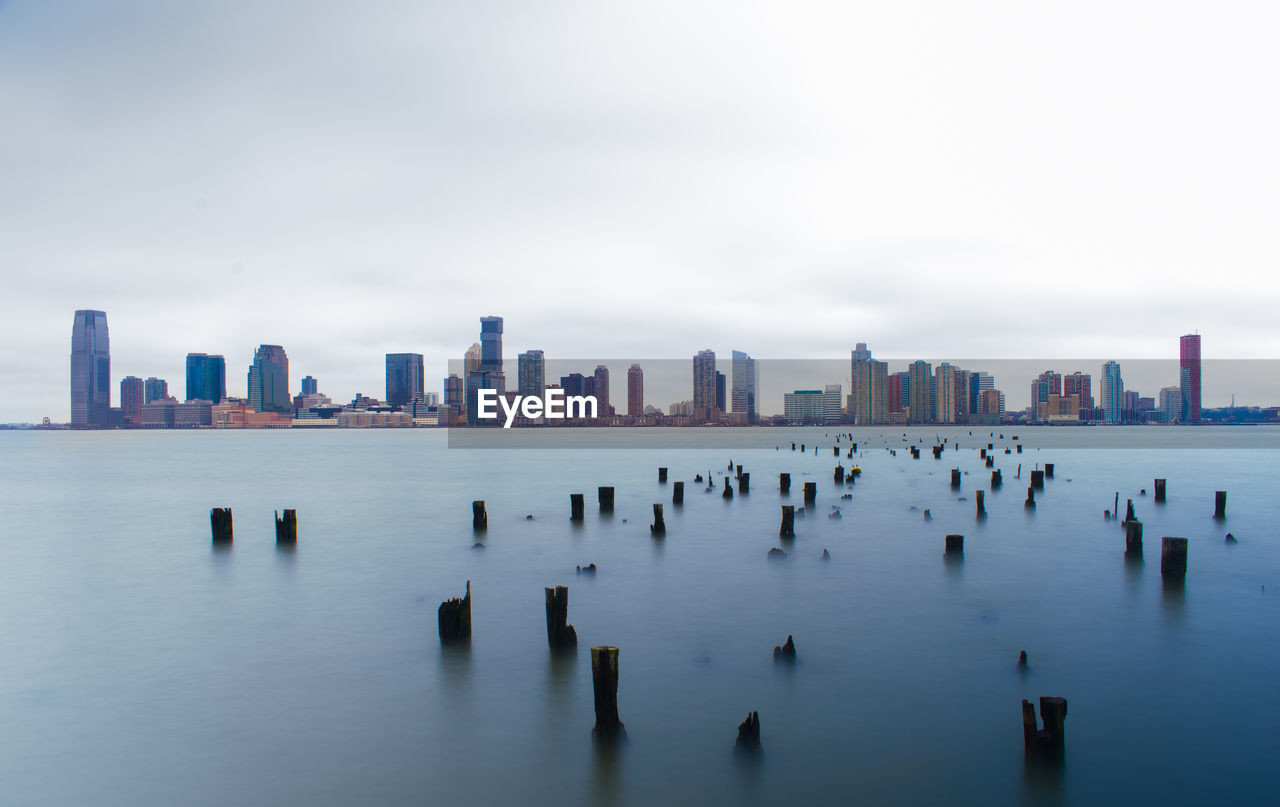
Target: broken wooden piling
<point>1173,559</point>
<point>1160,491</point>
<point>996,479</point>
<point>744,483</point>
<point>454,617</point>
<point>604,495</point>
<point>560,634</point>
<point>1133,539</point>
<point>575,506</point>
<point>662,475</point>
<point>658,527</point>
<point>1220,504</point>
<point>604,680</point>
<point>1048,470</point>
<point>955,478</point>
<point>788,528</point>
<point>287,527</point>
<point>728,491</point>
<point>479,518</point>
<point>954,545</point>
<point>748,741</point>
<point>220,525</point>
<point>1030,503</point>
<point>677,493</point>
<point>786,652</point>
<point>810,492</point>
<point>980,505</point>
<point>1049,742</point>
<point>784,483</point>
<point>1037,480</point>
<point>838,475</point>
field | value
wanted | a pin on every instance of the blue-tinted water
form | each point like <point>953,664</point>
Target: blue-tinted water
<point>140,665</point>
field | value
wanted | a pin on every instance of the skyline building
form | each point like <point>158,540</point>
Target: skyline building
<point>154,389</point>
<point>831,404</point>
<point>90,369</point>
<point>405,379</point>
<point>1112,393</point>
<point>635,391</point>
<point>531,373</point>
<point>805,407</point>
<point>455,392</point>
<point>1171,404</point>
<point>309,386</point>
<point>206,378</point>
<point>488,372</point>
<point>269,380</point>
<point>600,388</point>
<point>868,388</point>
<point>1189,376</point>
<point>471,359</point>
<point>945,398</point>
<point>919,392</point>
<point>704,385</point>
<point>1080,384</point>
<point>722,400</point>
<point>131,392</point>
<point>743,398</point>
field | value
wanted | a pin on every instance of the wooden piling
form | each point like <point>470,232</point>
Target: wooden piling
<point>604,680</point>
<point>1128,511</point>
<point>662,475</point>
<point>937,452</point>
<point>744,483</point>
<point>991,461</point>
<point>955,478</point>
<point>677,493</point>
<point>575,506</point>
<point>1030,503</point>
<point>1160,491</point>
<point>454,617</point>
<point>954,545</point>
<point>479,518</point>
<point>658,527</point>
<point>1173,558</point>
<point>287,527</point>
<point>981,506</point>
<point>1019,448</point>
<point>1133,539</point>
<point>996,479</point>
<point>604,495</point>
<point>1048,470</point>
<point>560,634</point>
<point>788,528</point>
<point>810,492</point>
<point>1220,504</point>
<point>786,652</point>
<point>728,491</point>
<point>1049,742</point>
<point>838,475</point>
<point>835,451</point>
<point>748,741</point>
<point>784,483</point>
<point>220,525</point>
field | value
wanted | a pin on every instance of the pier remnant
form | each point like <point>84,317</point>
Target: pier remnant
<point>744,483</point>
<point>560,634</point>
<point>1160,491</point>
<point>287,527</point>
<point>788,528</point>
<point>658,527</point>
<point>784,483</point>
<point>1037,480</point>
<point>1049,742</point>
<point>980,505</point>
<point>677,493</point>
<point>455,619</point>
<point>1022,660</point>
<point>997,479</point>
<point>1048,470</point>
<point>1133,539</point>
<point>838,475</point>
<point>604,680</point>
<point>575,506</point>
<point>220,525</point>
<point>728,491</point>
<point>604,494</point>
<point>786,652</point>
<point>479,518</point>
<point>1220,504</point>
<point>662,475</point>
<point>1030,503</point>
<point>1173,559</point>
<point>810,492</point>
<point>748,735</point>
<point>954,545</point>
<point>955,478</point>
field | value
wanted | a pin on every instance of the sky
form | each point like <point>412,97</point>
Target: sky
<point>626,179</point>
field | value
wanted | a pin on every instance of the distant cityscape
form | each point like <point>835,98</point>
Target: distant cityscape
<point>922,394</point>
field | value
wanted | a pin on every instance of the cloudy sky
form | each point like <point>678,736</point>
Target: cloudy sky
<point>619,179</point>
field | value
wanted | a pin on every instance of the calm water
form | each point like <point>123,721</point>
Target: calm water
<point>140,666</point>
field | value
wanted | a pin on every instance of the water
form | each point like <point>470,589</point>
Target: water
<point>140,665</point>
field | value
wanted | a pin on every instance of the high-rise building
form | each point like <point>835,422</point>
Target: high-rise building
<point>1131,400</point>
<point>805,407</point>
<point>206,378</point>
<point>1112,393</point>
<point>1171,404</point>
<point>704,385</point>
<point>131,400</point>
<point>1189,376</point>
<point>861,353</point>
<point>154,389</point>
<point>722,401</point>
<point>991,402</point>
<point>895,399</point>
<point>90,369</point>
<point>455,392</point>
<point>831,404</point>
<point>979,382</point>
<point>309,386</point>
<point>491,343</point>
<point>1079,384</point>
<point>269,380</point>
<point>868,388</point>
<point>920,392</point>
<point>405,373</point>
<point>635,391</point>
<point>743,398</point>
<point>531,373</point>
<point>471,360</point>
<point>945,398</point>
<point>1046,384</point>
<point>575,384</point>
<point>601,378</point>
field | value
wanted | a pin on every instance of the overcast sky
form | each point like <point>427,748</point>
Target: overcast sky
<point>617,179</point>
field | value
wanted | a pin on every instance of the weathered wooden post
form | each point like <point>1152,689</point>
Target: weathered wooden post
<point>802,447</point>
<point>662,475</point>
<point>1048,470</point>
<point>1133,539</point>
<point>955,478</point>
<point>677,493</point>
<point>479,518</point>
<point>1128,511</point>
<point>1037,480</point>
<point>937,452</point>
<point>728,491</point>
<point>455,619</point>
<point>560,634</point>
<point>838,475</point>
<point>605,496</point>
<point>604,680</point>
<point>738,472</point>
<point>786,652</point>
<point>220,524</point>
<point>658,527</point>
<point>1160,491</point>
<point>788,528</point>
<point>744,483</point>
<point>1220,504</point>
<point>982,453</point>
<point>954,545</point>
<point>835,451</point>
<point>1173,559</point>
<point>784,483</point>
<point>287,527</point>
<point>996,479</point>
<point>981,507</point>
<point>748,735</point>
<point>1049,742</point>
<point>1030,503</point>
<point>1019,448</point>
<point>810,492</point>
<point>991,461</point>
<point>575,506</point>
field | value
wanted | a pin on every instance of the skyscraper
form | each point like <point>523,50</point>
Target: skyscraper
<point>635,391</point>
<point>269,380</point>
<point>488,374</point>
<point>744,385</point>
<point>1079,384</point>
<point>131,400</point>
<point>471,359</point>
<point>491,343</point>
<point>920,392</point>
<point>1112,393</point>
<point>868,388</point>
<point>704,385</point>
<point>154,389</point>
<point>945,397</point>
<point>831,403</point>
<point>531,373</point>
<point>309,385</point>
<point>721,399</point>
<point>1189,376</point>
<point>404,379</point>
<point>455,392</point>
<point>602,391</point>
<point>90,369</point>
<point>206,378</point>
